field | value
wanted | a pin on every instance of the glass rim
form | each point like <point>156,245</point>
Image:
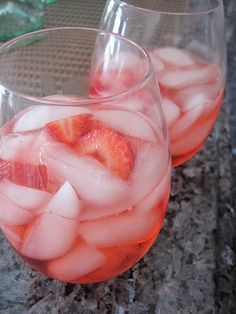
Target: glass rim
<point>218,5</point>
<point>86,100</point>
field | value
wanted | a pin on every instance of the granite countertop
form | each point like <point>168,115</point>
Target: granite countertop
<point>191,266</point>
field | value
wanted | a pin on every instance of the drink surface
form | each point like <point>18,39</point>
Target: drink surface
<point>192,91</point>
<point>83,190</point>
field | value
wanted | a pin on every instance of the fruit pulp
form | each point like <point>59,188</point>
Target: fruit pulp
<point>83,193</point>
<point>192,91</point>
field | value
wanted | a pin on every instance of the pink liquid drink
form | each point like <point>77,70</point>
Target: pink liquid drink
<point>83,190</point>
<point>192,92</point>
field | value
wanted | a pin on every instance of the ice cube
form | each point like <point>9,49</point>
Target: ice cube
<point>143,102</point>
<point>51,236</point>
<point>171,110</point>
<point>78,262</point>
<point>154,111</point>
<point>133,103</point>
<point>65,203</point>
<point>194,96</point>
<point>156,197</point>
<point>127,122</point>
<point>36,117</point>
<point>16,146</point>
<point>175,56</point>
<point>41,139</point>
<point>158,65</point>
<point>96,211</point>
<point>24,197</point>
<point>90,179</point>
<point>11,214</point>
<point>120,62</point>
<point>122,229</point>
<point>125,69</point>
<point>193,138</point>
<point>184,123</point>
<point>150,166</point>
<point>180,78</point>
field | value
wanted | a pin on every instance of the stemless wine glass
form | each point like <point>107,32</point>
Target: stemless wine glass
<point>185,40</point>
<point>84,180</point>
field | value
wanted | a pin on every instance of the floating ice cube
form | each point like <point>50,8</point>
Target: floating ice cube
<point>179,78</point>
<point>65,202</point>
<point>127,122</point>
<point>16,146</point>
<point>78,262</point>
<point>120,62</point>
<point>148,100</point>
<point>201,51</point>
<point>156,197</point>
<point>51,236</point>
<point>97,211</point>
<point>158,65</point>
<point>171,110</point>
<point>11,214</point>
<point>119,230</point>
<point>194,96</point>
<point>184,124</point>
<point>175,56</point>
<point>24,197</point>
<point>154,112</point>
<point>36,117</point>
<point>133,103</point>
<point>150,166</point>
<point>90,179</point>
<point>115,74</point>
<point>193,138</point>
<point>40,140</point>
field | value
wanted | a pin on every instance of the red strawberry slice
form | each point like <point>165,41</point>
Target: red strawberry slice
<point>135,143</point>
<point>110,148</point>
<point>32,176</point>
<point>94,124</point>
<point>69,130</point>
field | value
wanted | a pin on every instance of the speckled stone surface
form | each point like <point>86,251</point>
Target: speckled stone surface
<point>189,269</point>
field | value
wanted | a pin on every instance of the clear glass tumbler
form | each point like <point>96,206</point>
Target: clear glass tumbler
<point>84,179</point>
<point>186,42</point>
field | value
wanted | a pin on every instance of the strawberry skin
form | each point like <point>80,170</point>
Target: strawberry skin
<point>108,147</point>
<point>69,130</point>
<point>32,176</point>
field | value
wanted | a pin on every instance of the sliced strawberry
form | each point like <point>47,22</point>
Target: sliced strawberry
<point>135,143</point>
<point>32,176</point>
<point>110,148</point>
<point>69,130</point>
<point>94,124</point>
